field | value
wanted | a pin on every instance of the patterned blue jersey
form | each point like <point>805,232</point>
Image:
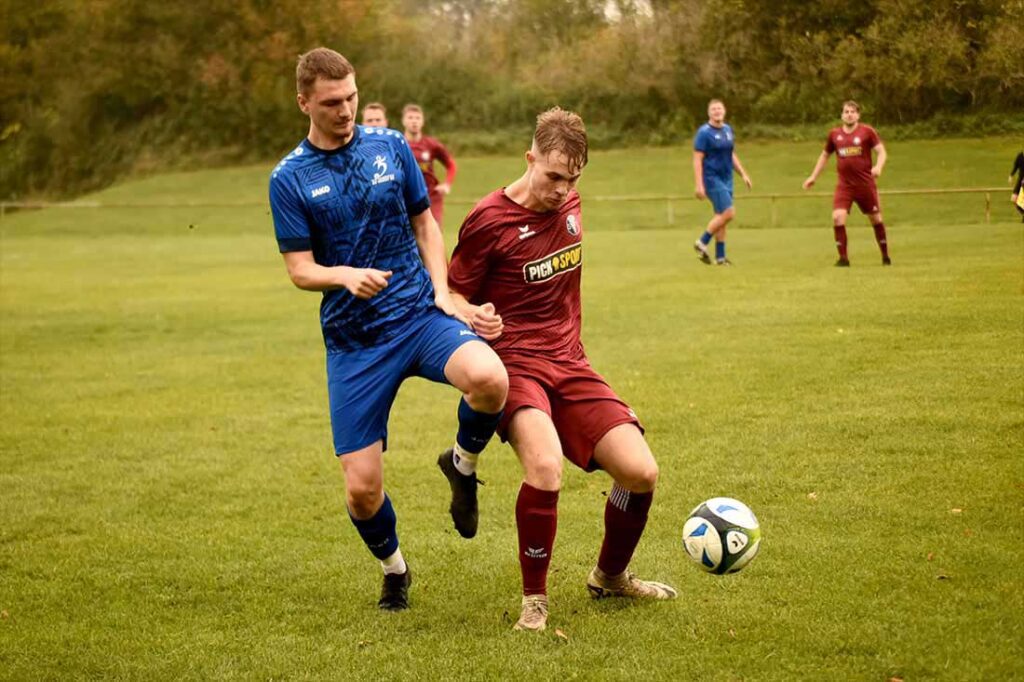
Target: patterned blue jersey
<point>351,206</point>
<point>717,145</point>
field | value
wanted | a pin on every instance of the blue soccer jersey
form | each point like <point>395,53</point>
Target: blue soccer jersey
<point>351,206</point>
<point>717,145</point>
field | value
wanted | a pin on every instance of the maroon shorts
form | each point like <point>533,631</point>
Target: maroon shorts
<point>866,199</point>
<point>437,206</point>
<point>581,404</point>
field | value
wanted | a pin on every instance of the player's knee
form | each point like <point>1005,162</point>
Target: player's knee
<point>643,477</point>
<point>544,472</point>
<point>488,386</point>
<point>364,500</point>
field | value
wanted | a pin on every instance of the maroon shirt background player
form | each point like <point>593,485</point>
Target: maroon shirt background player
<point>853,142</point>
<point>515,276</point>
<point>427,150</point>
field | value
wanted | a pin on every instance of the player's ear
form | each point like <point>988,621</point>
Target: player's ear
<point>303,102</point>
<point>530,158</point>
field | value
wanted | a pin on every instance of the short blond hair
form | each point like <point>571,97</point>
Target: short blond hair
<point>412,107</point>
<point>853,105</point>
<point>320,62</point>
<point>563,131</point>
<point>376,105</point>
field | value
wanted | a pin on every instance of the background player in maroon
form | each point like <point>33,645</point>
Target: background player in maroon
<point>427,150</point>
<point>515,275</point>
<point>853,142</point>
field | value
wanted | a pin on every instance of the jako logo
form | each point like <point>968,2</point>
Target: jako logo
<point>320,191</point>
<point>382,167</point>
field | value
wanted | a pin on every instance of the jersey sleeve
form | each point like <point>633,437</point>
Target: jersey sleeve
<point>442,155</point>
<point>414,188</point>
<point>291,226</point>
<point>700,141</point>
<point>472,255</point>
<point>873,139</point>
<point>830,145</point>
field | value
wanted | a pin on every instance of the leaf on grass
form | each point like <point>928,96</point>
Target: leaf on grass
<point>732,633</point>
<point>364,643</point>
<point>559,633</point>
<point>4,614</point>
<point>931,555</point>
<point>956,510</point>
<point>968,533</point>
<point>812,496</point>
<point>895,679</point>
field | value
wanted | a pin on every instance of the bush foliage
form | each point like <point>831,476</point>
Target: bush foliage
<point>92,89</point>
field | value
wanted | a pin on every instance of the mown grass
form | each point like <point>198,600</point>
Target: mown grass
<point>170,507</point>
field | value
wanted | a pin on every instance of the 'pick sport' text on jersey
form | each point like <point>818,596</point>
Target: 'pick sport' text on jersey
<point>528,264</point>
<point>351,206</point>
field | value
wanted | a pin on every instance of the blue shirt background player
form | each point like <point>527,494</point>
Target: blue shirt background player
<point>714,161</point>
<point>352,220</point>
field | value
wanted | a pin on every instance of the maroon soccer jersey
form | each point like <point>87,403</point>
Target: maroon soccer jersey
<point>427,150</point>
<point>853,154</point>
<point>528,265</point>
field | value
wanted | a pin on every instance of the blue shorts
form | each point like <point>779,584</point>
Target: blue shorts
<point>362,384</point>
<point>720,196</point>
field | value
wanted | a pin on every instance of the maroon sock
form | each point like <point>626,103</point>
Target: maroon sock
<point>840,232</point>
<point>625,516</point>
<point>883,245</point>
<point>536,521</point>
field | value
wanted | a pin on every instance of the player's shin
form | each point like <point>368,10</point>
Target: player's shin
<point>380,534</point>
<point>536,523</point>
<point>883,244</point>
<point>475,431</point>
<point>625,517</point>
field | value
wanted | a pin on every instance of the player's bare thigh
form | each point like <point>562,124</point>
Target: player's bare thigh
<point>475,369</point>
<point>535,440</point>
<point>623,452</point>
<point>364,479</point>
<point>839,216</point>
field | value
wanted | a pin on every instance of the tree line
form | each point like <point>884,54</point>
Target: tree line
<point>93,89</point>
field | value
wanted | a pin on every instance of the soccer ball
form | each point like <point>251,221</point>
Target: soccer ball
<point>722,535</point>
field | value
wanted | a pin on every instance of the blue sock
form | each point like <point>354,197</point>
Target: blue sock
<point>719,250</point>
<point>379,531</point>
<point>475,428</point>
<point>705,238</point>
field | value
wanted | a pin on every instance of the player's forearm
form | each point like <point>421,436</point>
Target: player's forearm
<point>739,166</point>
<point>882,157</point>
<point>819,166</point>
<point>698,170</point>
<point>464,307</point>
<point>449,172</point>
<point>432,252</point>
<point>315,277</point>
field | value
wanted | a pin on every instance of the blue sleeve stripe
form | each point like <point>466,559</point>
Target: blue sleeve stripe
<point>294,244</point>
<point>419,207</point>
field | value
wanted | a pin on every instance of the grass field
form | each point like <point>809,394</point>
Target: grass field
<point>169,507</point>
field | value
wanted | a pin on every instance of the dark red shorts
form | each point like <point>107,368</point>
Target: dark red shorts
<point>581,404</point>
<point>437,206</point>
<point>866,199</point>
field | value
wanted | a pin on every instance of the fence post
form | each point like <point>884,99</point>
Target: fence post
<point>988,207</point>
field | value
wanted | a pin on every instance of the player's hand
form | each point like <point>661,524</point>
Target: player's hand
<point>876,172</point>
<point>700,193</point>
<point>808,183</point>
<point>445,303</point>
<point>444,188</point>
<point>747,181</point>
<point>366,283</point>
<point>486,322</point>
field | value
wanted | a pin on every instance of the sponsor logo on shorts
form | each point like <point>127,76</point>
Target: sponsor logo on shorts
<point>466,332</point>
<point>554,264</point>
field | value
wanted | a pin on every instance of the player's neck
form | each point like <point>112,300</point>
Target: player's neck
<point>718,124</point>
<point>519,192</point>
<point>414,137</point>
<point>849,129</point>
<point>328,142</point>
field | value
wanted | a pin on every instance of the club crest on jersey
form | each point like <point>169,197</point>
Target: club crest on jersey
<point>571,226</point>
<point>382,175</point>
<point>554,264</point>
<point>425,155</point>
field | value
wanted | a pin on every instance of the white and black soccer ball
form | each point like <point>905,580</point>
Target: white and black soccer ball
<point>722,535</point>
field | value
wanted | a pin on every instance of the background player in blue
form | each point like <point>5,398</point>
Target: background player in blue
<point>352,220</point>
<point>713,161</point>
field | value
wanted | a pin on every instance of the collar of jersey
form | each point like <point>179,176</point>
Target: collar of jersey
<point>329,152</point>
